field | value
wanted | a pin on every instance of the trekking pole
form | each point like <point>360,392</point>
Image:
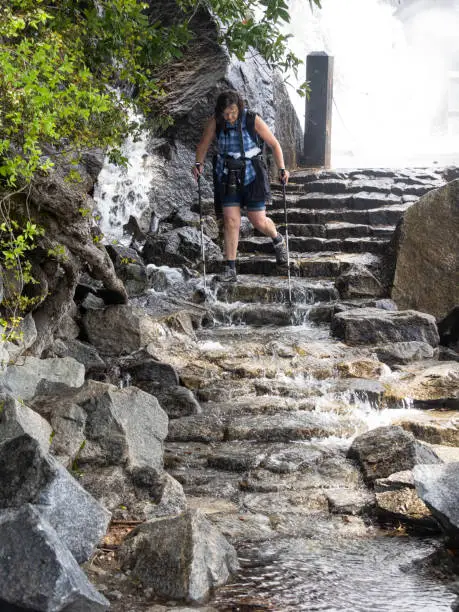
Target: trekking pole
<point>201,225</point>
<point>286,237</point>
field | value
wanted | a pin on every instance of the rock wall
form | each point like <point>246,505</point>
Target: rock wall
<point>427,268</point>
<point>194,84</point>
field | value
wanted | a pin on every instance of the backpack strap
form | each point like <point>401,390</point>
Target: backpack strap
<point>250,125</point>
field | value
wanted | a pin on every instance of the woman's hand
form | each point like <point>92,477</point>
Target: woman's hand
<point>283,176</point>
<point>197,170</point>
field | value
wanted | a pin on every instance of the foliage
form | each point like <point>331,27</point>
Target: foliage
<point>17,238</point>
<point>70,71</point>
<point>257,24</point>
<point>59,61</point>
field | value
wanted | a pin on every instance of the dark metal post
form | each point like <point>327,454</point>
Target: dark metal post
<point>317,132</point>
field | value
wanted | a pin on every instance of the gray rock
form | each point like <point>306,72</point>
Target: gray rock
<point>29,476</point>
<point>35,379</point>
<point>38,571</point>
<point>179,246</point>
<point>182,557</point>
<point>403,505</point>
<point>119,329</point>
<point>172,502</point>
<point>24,471</point>
<point>92,302</point>
<point>404,352</point>
<point>81,351</point>
<point>376,326</point>
<point>286,123</point>
<point>148,373</point>
<point>399,480</point>
<point>129,268</point>
<point>17,419</point>
<point>358,282</point>
<point>178,402</point>
<point>78,519</point>
<point>438,487</point>
<point>386,450</point>
<point>113,487</point>
<point>127,427</point>
<point>68,328</point>
<point>68,422</point>
<point>427,258</point>
<point>349,501</point>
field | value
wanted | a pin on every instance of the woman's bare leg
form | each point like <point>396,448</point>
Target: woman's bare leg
<point>231,227</point>
<point>262,223</point>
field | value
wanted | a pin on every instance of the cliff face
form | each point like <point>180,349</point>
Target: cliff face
<point>193,84</point>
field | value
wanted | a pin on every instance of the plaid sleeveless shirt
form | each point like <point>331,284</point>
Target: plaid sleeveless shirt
<point>229,144</point>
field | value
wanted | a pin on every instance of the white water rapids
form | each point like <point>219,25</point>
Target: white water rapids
<point>396,78</point>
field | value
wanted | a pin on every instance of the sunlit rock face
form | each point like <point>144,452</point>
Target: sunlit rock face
<point>426,273</point>
<point>158,181</point>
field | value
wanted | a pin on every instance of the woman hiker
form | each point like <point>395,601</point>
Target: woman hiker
<point>240,176</point>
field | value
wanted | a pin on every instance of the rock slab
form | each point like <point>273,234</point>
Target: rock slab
<point>426,273</point>
<point>182,557</point>
<point>38,571</point>
<point>438,487</point>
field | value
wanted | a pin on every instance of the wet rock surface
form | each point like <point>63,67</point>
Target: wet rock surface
<point>265,405</point>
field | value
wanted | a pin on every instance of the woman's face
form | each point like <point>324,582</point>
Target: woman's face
<point>231,113</point>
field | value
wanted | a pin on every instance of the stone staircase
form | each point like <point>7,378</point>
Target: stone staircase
<point>265,457</point>
<point>337,221</point>
<point>332,213</point>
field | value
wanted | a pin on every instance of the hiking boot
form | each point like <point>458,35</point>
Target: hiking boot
<point>227,276</point>
<point>280,250</point>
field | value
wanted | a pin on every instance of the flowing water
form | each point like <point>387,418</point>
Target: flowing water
<point>336,574</point>
<point>312,560</point>
<point>387,94</point>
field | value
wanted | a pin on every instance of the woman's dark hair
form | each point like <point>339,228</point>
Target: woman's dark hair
<point>225,99</point>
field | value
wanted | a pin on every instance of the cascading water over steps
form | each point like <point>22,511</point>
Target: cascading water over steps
<point>337,220</point>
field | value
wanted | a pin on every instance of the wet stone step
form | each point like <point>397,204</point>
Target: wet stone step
<point>308,245</point>
<point>313,201</point>
<point>356,201</point>
<point>396,186</point>
<point>329,186</point>
<point>348,230</point>
<point>311,265</point>
<point>253,288</point>
<point>374,216</point>
<point>334,230</point>
<point>284,427</point>
<point>262,315</point>
<point>289,427</point>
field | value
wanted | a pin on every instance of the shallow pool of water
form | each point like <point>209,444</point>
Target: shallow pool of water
<point>338,575</point>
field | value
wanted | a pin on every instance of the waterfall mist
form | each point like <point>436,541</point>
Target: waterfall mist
<point>396,78</point>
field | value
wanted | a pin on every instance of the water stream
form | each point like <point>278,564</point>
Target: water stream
<point>333,563</point>
<point>341,563</point>
<point>312,560</point>
<point>337,574</point>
